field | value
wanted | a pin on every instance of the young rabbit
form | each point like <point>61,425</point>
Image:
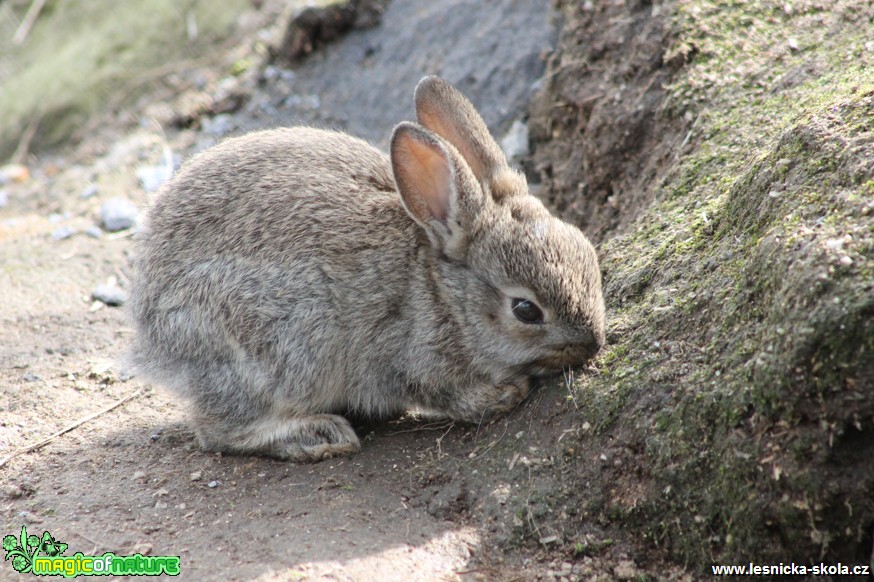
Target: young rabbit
<point>287,276</point>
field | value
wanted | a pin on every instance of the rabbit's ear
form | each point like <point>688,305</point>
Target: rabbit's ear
<point>426,173</point>
<point>442,108</point>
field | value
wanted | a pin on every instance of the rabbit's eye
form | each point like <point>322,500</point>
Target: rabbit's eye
<point>526,311</point>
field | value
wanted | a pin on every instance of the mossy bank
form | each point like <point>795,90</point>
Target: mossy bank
<point>740,370</point>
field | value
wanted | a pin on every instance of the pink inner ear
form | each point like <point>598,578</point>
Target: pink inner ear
<point>428,176</point>
<point>462,141</point>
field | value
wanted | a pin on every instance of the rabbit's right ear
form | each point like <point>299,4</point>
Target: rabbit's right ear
<point>442,108</point>
<point>427,176</point>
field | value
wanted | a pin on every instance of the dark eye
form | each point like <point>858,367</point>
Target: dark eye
<point>526,311</point>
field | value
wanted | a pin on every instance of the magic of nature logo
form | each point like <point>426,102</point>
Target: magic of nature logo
<point>43,556</point>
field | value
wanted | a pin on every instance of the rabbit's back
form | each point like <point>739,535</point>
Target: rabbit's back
<point>261,262</point>
<point>269,187</point>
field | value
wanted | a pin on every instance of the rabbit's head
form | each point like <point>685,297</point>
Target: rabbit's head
<point>525,285</point>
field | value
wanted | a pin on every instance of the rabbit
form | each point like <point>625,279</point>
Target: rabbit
<point>289,276</point>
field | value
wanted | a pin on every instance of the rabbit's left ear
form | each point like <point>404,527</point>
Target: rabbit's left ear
<point>442,108</point>
<point>427,174</point>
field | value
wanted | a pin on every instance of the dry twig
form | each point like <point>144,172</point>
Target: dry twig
<point>76,424</point>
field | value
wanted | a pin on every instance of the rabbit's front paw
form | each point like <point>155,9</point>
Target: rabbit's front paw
<point>508,396</point>
<point>489,400</point>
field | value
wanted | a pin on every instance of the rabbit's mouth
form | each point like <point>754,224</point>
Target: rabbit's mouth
<point>566,357</point>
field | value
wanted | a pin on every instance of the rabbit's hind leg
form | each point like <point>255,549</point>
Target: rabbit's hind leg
<point>299,439</point>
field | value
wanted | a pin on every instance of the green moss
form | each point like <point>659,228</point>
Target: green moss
<point>755,266</point>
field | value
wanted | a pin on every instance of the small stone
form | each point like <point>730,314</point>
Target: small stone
<point>161,505</point>
<point>62,233</point>
<point>88,192</point>
<point>14,173</point>
<point>625,570</point>
<point>118,214</point>
<point>218,126</point>
<point>94,231</point>
<point>212,484</point>
<point>31,377</point>
<point>109,294</point>
<point>846,261</point>
<point>151,177</point>
<point>515,143</point>
<point>161,492</point>
<point>138,475</point>
<point>196,476</point>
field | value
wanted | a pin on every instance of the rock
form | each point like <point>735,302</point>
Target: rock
<point>14,173</point>
<point>88,192</point>
<point>94,231</point>
<point>515,142</point>
<point>313,27</point>
<point>219,126</point>
<point>63,232</point>
<point>364,82</point>
<point>118,214</point>
<point>151,177</point>
<point>109,294</point>
<point>625,570</point>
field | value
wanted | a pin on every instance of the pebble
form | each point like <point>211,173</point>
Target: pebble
<point>118,214</point>
<point>31,377</point>
<point>14,173</point>
<point>151,177</point>
<point>63,232</point>
<point>625,570</point>
<point>89,191</point>
<point>515,143</point>
<point>212,484</point>
<point>94,231</point>
<point>109,294</point>
<point>218,126</point>
<point>312,102</point>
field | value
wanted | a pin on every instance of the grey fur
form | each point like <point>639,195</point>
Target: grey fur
<point>282,278</point>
